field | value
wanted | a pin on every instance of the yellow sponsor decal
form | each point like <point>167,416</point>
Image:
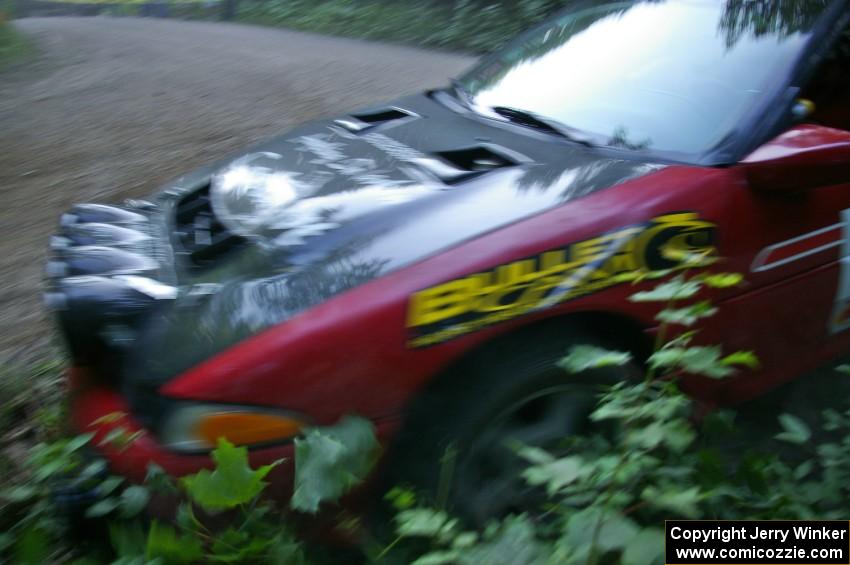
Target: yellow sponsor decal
<point>475,301</point>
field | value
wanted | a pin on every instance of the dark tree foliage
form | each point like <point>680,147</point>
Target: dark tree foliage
<point>760,17</point>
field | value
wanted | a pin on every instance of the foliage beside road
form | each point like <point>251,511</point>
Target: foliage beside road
<point>466,25</point>
<point>474,26</point>
<point>14,46</point>
<point>604,496</point>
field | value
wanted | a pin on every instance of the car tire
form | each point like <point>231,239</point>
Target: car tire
<point>452,446</point>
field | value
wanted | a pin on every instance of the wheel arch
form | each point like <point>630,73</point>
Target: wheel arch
<point>615,330</point>
<point>439,400</point>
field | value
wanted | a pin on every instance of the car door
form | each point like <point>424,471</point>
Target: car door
<point>787,229</point>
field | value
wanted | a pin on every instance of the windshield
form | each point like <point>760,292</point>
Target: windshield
<point>670,76</point>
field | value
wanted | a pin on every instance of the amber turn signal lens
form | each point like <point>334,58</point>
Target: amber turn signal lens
<point>245,428</point>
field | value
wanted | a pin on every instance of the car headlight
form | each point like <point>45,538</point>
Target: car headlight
<point>250,192</point>
<point>197,427</point>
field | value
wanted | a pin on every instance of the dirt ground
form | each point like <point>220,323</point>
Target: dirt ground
<point>113,108</point>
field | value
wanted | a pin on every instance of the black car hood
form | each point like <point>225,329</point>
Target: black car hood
<point>380,189</point>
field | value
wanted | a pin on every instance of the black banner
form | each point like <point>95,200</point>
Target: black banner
<point>757,542</point>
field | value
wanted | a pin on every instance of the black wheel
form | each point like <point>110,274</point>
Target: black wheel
<point>456,442</point>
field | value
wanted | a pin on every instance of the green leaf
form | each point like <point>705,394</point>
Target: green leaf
<point>803,470</point>
<point>401,498</point>
<point>687,316</point>
<point>676,435</point>
<point>698,360</point>
<point>795,430</point>
<point>640,276</point>
<point>683,502</point>
<point>32,547</point>
<point>687,258</point>
<point>109,485</point>
<point>185,517</point>
<point>584,357</point>
<point>157,480</point>
<point>50,468</point>
<point>19,493</point>
<point>745,358</point>
<point>609,528</point>
<point>165,543</point>
<point>684,339</point>
<point>116,437</point>
<point>133,500</point>
<point>679,435</point>
<point>78,442</point>
<point>231,484</point>
<point>722,280</point>
<point>330,461</point>
<point>646,548</point>
<point>465,539</point>
<point>832,420</point>
<point>128,540</point>
<point>844,369</point>
<point>285,550</point>
<point>674,289</point>
<point>510,542</point>
<point>558,473</point>
<point>237,546</point>
<point>93,469</point>
<point>110,418</point>
<point>446,557</point>
<point>534,455</point>
<point>120,438</point>
<point>424,522</point>
<point>102,507</point>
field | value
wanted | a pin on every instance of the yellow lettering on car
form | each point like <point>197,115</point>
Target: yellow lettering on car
<point>478,300</point>
<point>439,302</point>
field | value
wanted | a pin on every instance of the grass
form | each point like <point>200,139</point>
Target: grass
<point>14,46</point>
<point>32,409</point>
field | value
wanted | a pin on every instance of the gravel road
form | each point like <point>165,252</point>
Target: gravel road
<point>113,108</point>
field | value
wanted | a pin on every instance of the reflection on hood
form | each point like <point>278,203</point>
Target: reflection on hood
<point>325,210</point>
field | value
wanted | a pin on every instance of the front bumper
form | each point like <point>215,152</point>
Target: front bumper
<point>100,410</point>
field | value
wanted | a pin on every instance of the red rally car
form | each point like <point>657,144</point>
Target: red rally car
<point>423,263</point>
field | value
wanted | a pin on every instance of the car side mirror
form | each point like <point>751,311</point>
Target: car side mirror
<point>806,156</point>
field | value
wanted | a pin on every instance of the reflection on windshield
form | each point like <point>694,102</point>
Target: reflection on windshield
<point>669,76</point>
<point>743,18</point>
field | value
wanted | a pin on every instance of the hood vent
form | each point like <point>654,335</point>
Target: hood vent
<point>200,234</point>
<point>461,164</point>
<point>361,122</point>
